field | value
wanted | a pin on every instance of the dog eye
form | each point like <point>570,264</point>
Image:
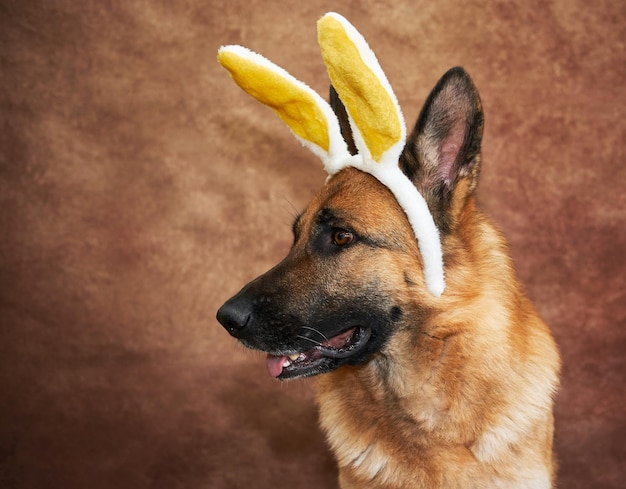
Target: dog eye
<point>341,237</point>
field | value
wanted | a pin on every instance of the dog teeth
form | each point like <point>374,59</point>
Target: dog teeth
<point>290,359</point>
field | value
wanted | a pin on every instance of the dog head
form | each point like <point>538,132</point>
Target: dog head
<point>356,272</point>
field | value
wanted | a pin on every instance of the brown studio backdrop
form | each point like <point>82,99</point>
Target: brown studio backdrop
<point>139,188</point>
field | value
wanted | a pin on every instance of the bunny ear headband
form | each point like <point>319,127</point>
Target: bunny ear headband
<point>375,118</point>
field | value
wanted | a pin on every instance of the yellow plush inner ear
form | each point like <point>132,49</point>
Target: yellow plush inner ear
<point>293,103</point>
<point>368,103</point>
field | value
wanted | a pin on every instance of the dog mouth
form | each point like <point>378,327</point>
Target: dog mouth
<point>314,360</point>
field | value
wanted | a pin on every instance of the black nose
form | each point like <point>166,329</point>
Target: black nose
<point>234,315</point>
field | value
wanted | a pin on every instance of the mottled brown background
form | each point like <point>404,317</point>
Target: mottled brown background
<point>139,188</point>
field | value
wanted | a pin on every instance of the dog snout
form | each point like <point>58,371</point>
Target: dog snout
<point>235,315</point>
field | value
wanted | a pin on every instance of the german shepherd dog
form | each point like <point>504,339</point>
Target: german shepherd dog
<point>417,391</point>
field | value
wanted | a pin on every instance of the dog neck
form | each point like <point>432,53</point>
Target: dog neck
<point>454,401</point>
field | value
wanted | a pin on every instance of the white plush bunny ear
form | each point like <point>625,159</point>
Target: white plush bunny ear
<point>376,118</point>
<point>309,116</point>
<point>379,131</point>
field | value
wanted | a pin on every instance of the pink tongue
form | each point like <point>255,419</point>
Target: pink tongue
<point>275,365</point>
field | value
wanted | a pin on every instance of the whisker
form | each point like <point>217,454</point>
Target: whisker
<point>318,343</point>
<point>294,209</point>
<point>316,331</point>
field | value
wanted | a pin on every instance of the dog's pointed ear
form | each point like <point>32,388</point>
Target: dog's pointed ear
<point>442,154</point>
<point>344,122</point>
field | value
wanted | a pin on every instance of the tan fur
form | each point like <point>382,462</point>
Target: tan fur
<point>461,395</point>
